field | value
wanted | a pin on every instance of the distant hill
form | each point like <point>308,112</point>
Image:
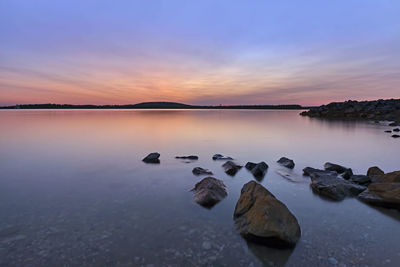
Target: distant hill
<point>149,105</point>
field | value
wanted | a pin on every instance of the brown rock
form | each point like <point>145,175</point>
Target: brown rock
<point>382,194</point>
<point>391,177</point>
<point>261,218</point>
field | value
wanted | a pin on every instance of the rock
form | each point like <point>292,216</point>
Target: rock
<point>307,171</point>
<point>288,163</point>
<point>334,167</point>
<point>250,165</point>
<point>333,187</point>
<point>360,179</point>
<point>257,169</point>
<point>209,192</point>
<point>231,168</point>
<point>388,131</point>
<point>374,172</point>
<point>347,174</point>
<point>261,218</point>
<point>201,171</point>
<point>391,177</point>
<point>332,261</point>
<point>395,136</point>
<point>191,157</point>
<point>396,130</point>
<point>152,158</point>
<point>221,157</point>
<point>382,194</point>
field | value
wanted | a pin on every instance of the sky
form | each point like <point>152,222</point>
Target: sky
<point>198,52</point>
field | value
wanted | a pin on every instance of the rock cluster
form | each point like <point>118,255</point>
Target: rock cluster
<point>374,110</point>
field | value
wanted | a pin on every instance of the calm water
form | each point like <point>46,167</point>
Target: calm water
<point>74,192</point>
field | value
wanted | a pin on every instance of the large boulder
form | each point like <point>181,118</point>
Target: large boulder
<point>382,194</point>
<point>375,172</point>
<point>288,163</point>
<point>333,187</point>
<point>152,158</point>
<point>221,157</point>
<point>261,218</point>
<point>257,169</point>
<point>231,168</point>
<point>209,192</point>
<point>201,171</point>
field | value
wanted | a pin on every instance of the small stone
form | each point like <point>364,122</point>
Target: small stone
<point>332,261</point>
<point>206,245</point>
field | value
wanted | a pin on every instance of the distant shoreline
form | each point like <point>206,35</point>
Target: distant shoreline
<point>152,105</point>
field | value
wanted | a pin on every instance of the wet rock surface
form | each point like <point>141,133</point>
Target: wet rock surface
<point>231,168</point>
<point>221,157</point>
<point>261,218</point>
<point>201,171</point>
<point>382,194</point>
<point>152,158</point>
<point>209,192</point>
<point>333,187</point>
<point>390,177</point>
<point>307,171</point>
<point>360,179</point>
<point>288,163</point>
<point>328,166</point>
<point>257,169</point>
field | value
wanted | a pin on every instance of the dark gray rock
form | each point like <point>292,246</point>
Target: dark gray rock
<point>388,131</point>
<point>261,218</point>
<point>347,174</point>
<point>221,157</point>
<point>307,171</point>
<point>360,179</point>
<point>334,167</point>
<point>288,163</point>
<point>231,168</point>
<point>209,192</point>
<point>395,136</point>
<point>333,187</point>
<point>201,171</point>
<point>396,130</point>
<point>191,157</point>
<point>382,194</point>
<point>257,169</point>
<point>152,158</point>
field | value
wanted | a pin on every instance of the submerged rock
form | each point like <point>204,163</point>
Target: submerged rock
<point>231,168</point>
<point>291,176</point>
<point>221,157</point>
<point>334,167</point>
<point>388,131</point>
<point>396,130</point>
<point>382,194</point>
<point>200,171</point>
<point>257,169</point>
<point>333,187</point>
<point>360,179</point>
<point>209,192</point>
<point>152,158</point>
<point>191,157</point>
<point>261,218</point>
<point>395,136</point>
<point>288,163</point>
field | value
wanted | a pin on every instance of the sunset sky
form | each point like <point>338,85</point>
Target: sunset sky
<point>198,52</point>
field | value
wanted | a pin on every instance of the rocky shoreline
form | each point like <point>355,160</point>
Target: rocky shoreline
<point>378,110</point>
<point>263,219</point>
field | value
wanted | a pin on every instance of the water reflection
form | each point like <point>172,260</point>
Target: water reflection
<point>74,186</point>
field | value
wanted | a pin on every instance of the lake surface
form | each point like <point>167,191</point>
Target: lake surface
<point>74,191</point>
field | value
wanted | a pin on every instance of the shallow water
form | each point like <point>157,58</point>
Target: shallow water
<point>74,191</point>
